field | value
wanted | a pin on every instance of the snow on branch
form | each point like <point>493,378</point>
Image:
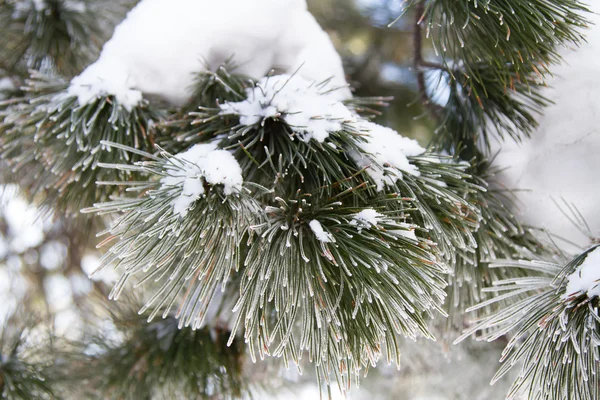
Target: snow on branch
<point>386,154</point>
<point>201,164</point>
<point>586,279</point>
<point>162,44</point>
<point>308,107</point>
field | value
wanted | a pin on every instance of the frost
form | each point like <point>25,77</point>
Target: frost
<point>320,233</point>
<point>201,164</point>
<point>407,232</point>
<point>366,219</point>
<point>162,44</point>
<point>586,279</point>
<point>369,218</point>
<point>387,154</point>
<point>308,107</point>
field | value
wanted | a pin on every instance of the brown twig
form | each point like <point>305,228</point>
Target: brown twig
<point>419,64</point>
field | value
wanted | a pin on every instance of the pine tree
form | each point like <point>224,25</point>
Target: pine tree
<point>254,210</point>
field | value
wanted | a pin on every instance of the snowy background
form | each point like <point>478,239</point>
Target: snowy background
<point>560,163</point>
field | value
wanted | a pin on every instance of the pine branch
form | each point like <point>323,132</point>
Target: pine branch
<point>555,333</point>
<point>191,256</point>
<point>312,273</point>
<point>500,236</point>
<point>494,57</point>
<point>419,64</point>
<point>343,299</point>
<point>57,142</point>
<point>274,154</point>
<point>470,121</point>
<point>159,360</point>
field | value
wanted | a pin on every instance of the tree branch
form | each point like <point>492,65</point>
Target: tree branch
<point>419,65</point>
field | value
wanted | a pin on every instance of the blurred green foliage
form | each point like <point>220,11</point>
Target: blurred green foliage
<point>377,58</point>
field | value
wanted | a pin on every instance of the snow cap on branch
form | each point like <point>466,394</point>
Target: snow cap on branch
<point>320,233</point>
<point>388,154</point>
<point>104,79</point>
<point>162,44</point>
<point>369,218</point>
<point>203,163</point>
<point>308,107</point>
<point>366,219</point>
<point>586,279</point>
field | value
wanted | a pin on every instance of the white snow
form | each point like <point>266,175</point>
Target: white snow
<point>162,44</point>
<point>308,107</point>
<point>6,86</point>
<point>39,5</point>
<point>387,154</point>
<point>306,48</point>
<point>192,168</point>
<point>407,232</point>
<point>366,219</point>
<point>586,279</point>
<point>560,160</point>
<point>320,233</point>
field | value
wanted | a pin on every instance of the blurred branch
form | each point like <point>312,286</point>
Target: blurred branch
<point>495,56</point>
<point>434,110</point>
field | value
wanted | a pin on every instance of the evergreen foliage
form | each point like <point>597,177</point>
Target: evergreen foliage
<point>493,56</point>
<point>196,364</point>
<point>554,336</point>
<point>344,300</point>
<point>58,141</point>
<point>499,236</point>
<point>326,247</point>
<point>438,191</point>
<point>192,256</point>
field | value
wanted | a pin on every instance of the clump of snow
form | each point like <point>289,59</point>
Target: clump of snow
<point>311,53</point>
<point>366,219</point>
<point>386,155</point>
<point>6,86</point>
<point>162,44</point>
<point>104,79</point>
<point>407,232</point>
<point>320,233</point>
<point>369,218</point>
<point>203,163</point>
<point>40,5</point>
<point>586,279</point>
<point>309,108</point>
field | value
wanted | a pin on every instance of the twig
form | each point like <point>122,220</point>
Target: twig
<point>419,64</point>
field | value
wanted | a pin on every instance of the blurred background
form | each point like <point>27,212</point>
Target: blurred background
<point>45,262</point>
